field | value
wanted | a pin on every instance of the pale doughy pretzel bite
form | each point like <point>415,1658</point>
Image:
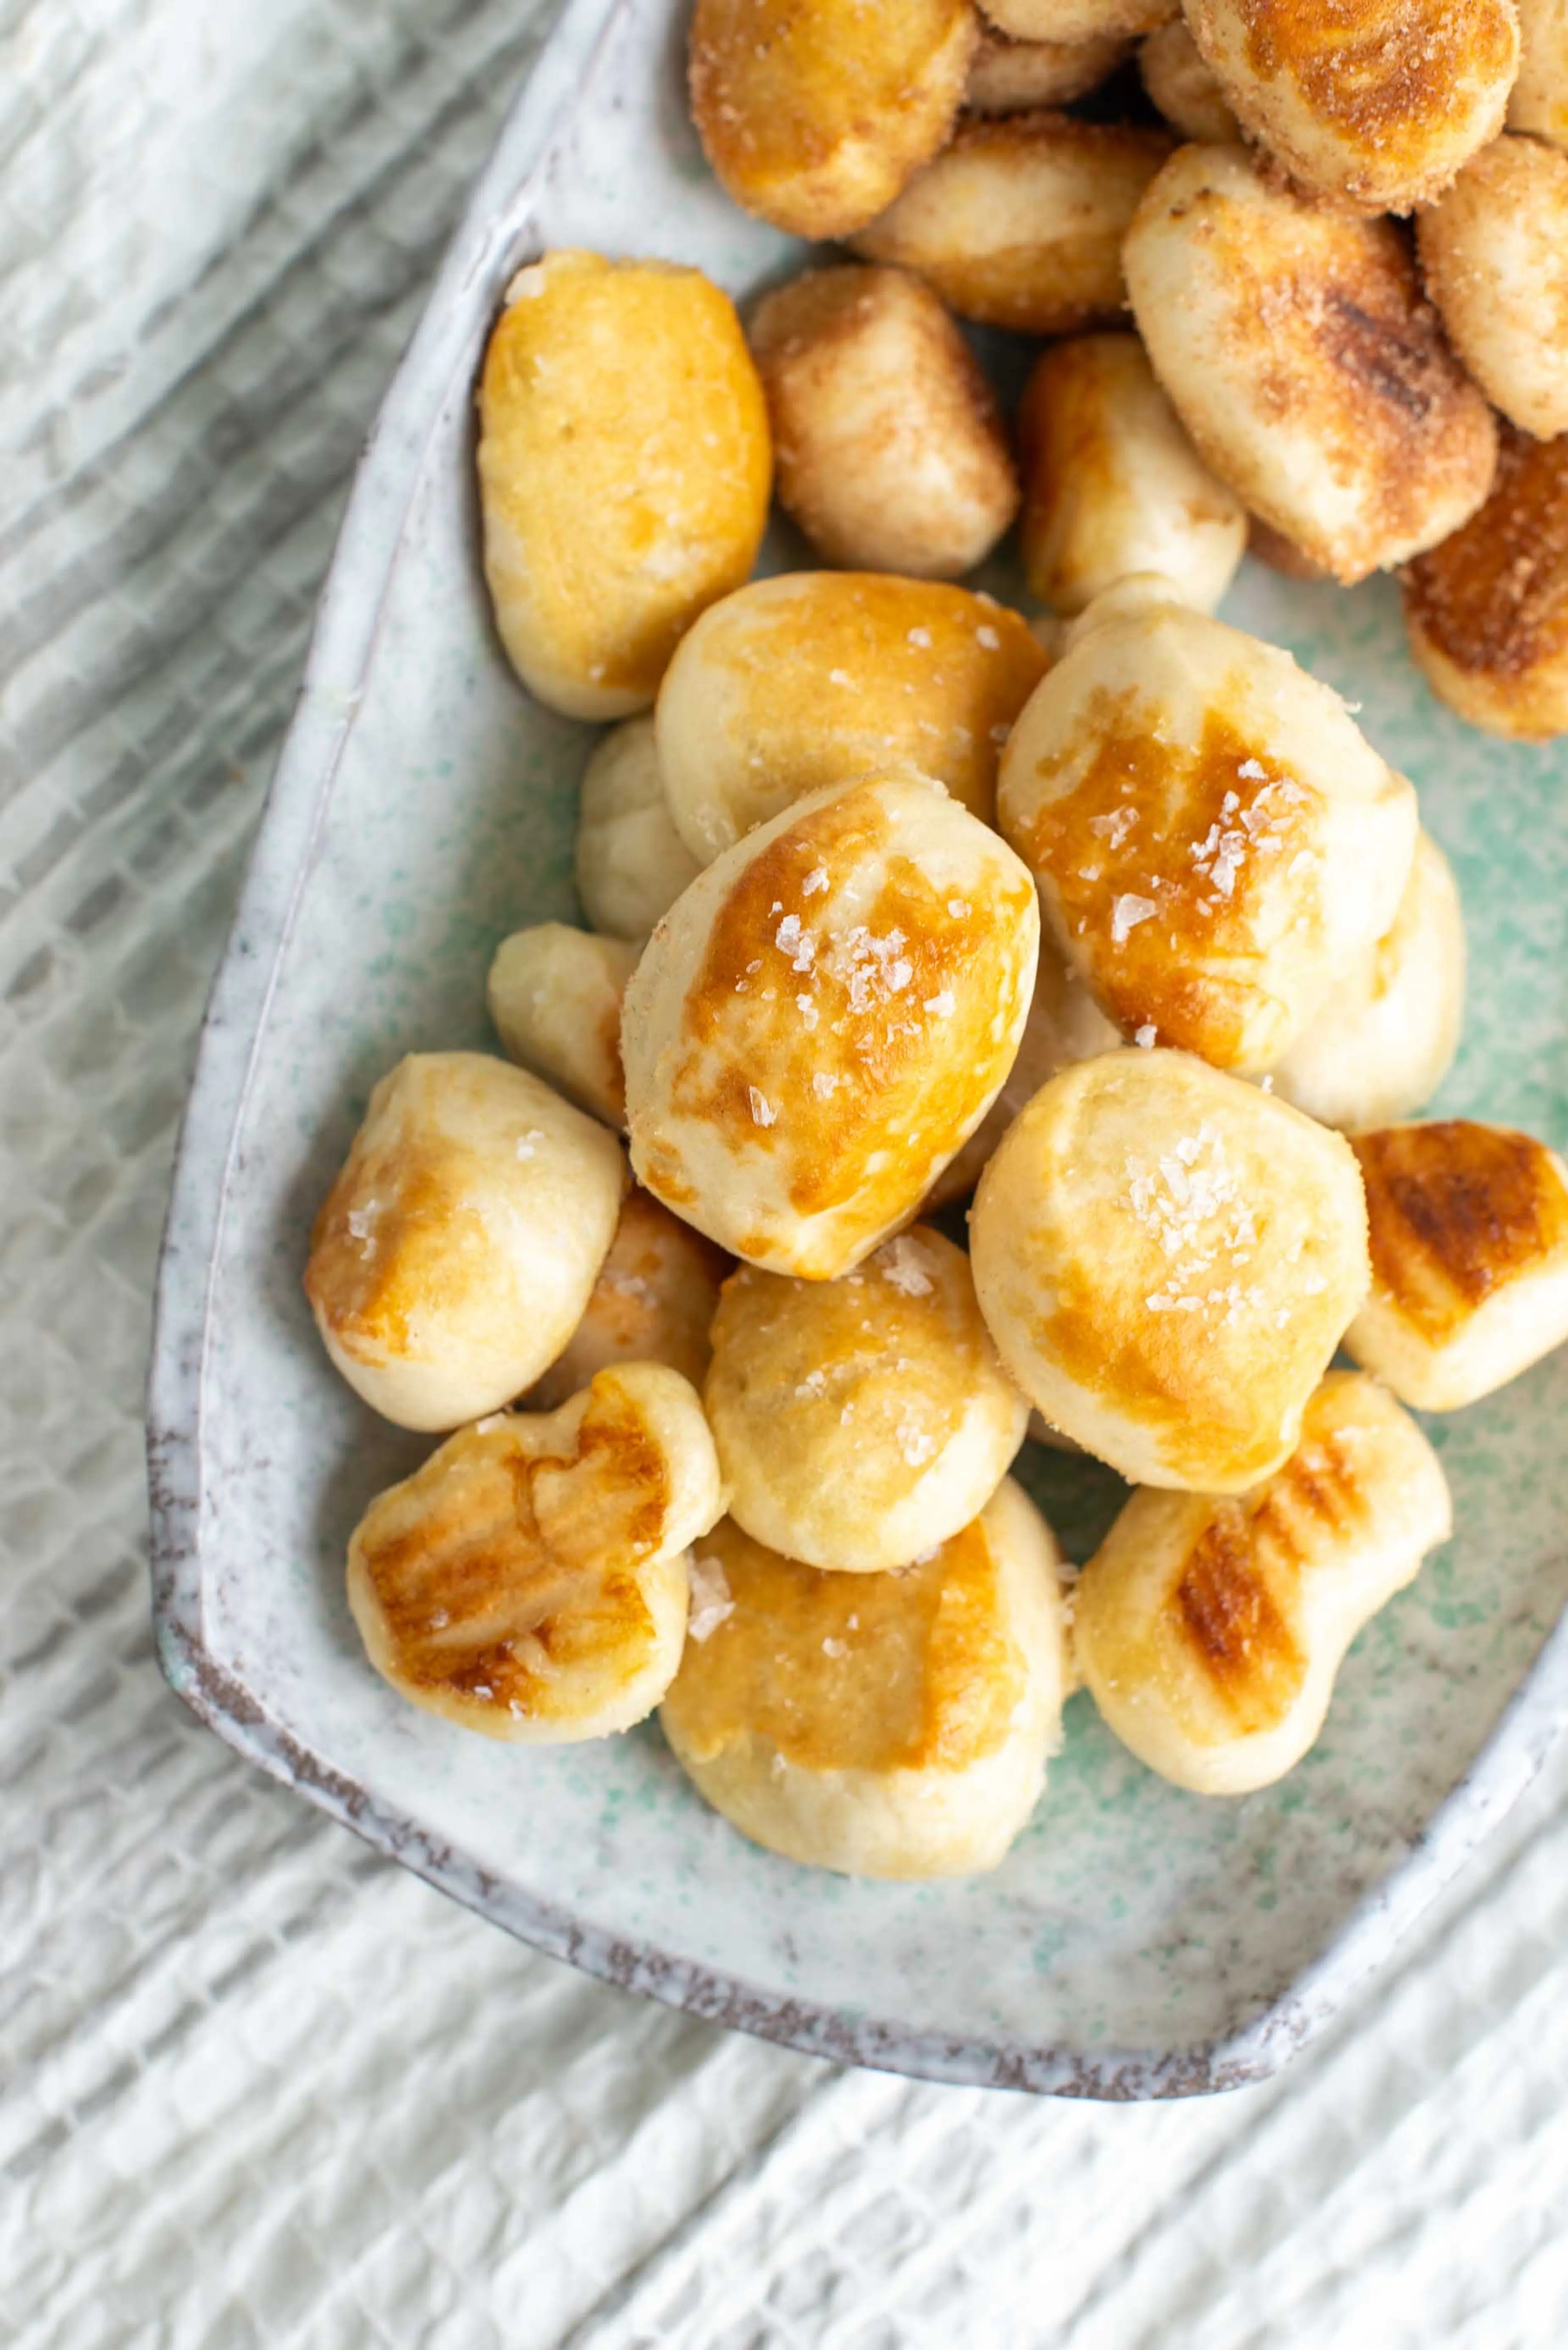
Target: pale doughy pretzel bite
<point>1214,840</point>
<point>884,1725</point>
<point>1183,87</point>
<point>1297,350</point>
<point>624,468</point>
<point>1009,76</point>
<point>1539,99</point>
<point>860,1422</point>
<point>1113,486</point>
<point>1494,253</point>
<point>554,997</point>
<point>1486,612</point>
<point>1382,1041</point>
<point>653,1302</point>
<point>1373,104</point>
<point>457,1249</point>
<point>631,863</point>
<point>1019,222</point>
<point>530,1581</point>
<point>1470,1258</point>
<point>822,1020</point>
<point>1167,1259</point>
<point>891,454</point>
<point>813,113</point>
<point>1211,1632</point>
<point>797,682</point>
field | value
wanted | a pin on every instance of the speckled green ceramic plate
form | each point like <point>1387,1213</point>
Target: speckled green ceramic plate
<point>1138,1941</point>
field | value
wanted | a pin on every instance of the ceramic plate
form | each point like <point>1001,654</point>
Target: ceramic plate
<point>1138,1941</point>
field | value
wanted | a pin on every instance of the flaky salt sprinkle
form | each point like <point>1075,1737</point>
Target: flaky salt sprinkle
<point>839,677</point>
<point>824,1085</point>
<point>362,1223</point>
<point>921,638</point>
<point>835,1648</point>
<point>988,638</point>
<point>763,1110</point>
<point>1147,1035</point>
<point>941,1005</point>
<point>711,1597</point>
<point>1127,913</point>
<point>957,907</point>
<point>816,880</point>
<point>904,1264</point>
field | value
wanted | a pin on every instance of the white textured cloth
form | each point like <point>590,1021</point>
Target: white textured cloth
<point>260,2086</point>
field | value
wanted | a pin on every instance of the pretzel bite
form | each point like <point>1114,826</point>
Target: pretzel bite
<point>1486,612</point>
<point>1077,20</point>
<point>623,471</point>
<point>1010,76</point>
<point>1019,223</point>
<point>1494,253</point>
<point>1383,1041</point>
<point>1296,348</point>
<point>455,1252</point>
<point>1166,1260</point>
<point>653,1302</point>
<point>631,863</point>
<point>1214,840</point>
<point>1211,1632</point>
<point>822,1020</point>
<point>1374,106</point>
<point>891,455</point>
<point>1539,99</point>
<point>797,682</point>
<point>554,997</point>
<point>1182,88</point>
<point>1113,486</point>
<point>1064,1026</point>
<point>530,1581</point>
<point>813,113</point>
<point>884,1725</point>
<point>860,1422</point>
<point>1470,1258</point>
<point>1281,554</point>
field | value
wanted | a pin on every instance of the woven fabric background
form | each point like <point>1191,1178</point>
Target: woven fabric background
<point>261,2087</point>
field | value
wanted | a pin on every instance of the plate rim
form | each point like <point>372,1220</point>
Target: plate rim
<point>293,814</point>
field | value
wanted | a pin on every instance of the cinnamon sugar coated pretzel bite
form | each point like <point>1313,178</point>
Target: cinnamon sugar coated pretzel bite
<point>813,113</point>
<point>653,1302</point>
<point>1538,102</point>
<point>1295,345</point>
<point>1167,1259</point>
<point>1470,1258</point>
<point>1112,485</point>
<point>1009,76</point>
<point>457,1249</point>
<point>530,1581</point>
<point>631,864</point>
<point>1019,222</point>
<point>822,1020</point>
<point>623,471</point>
<point>883,1725</point>
<point>1486,612</point>
<point>1077,20</point>
<point>891,454</point>
<point>1213,839</point>
<point>1211,1632</point>
<point>1494,253</point>
<point>1382,1041</point>
<point>1374,104</point>
<point>797,682</point>
<point>1183,89</point>
<point>860,1422</point>
<point>554,997</point>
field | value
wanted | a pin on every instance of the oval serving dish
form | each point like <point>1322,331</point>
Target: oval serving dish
<point>1138,1941</point>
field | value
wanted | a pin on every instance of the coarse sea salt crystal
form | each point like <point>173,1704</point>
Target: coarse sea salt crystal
<point>1147,1036</point>
<point>711,1598</point>
<point>835,1648</point>
<point>920,637</point>
<point>1127,913</point>
<point>763,1110</point>
<point>824,1085</point>
<point>940,1005</point>
<point>815,881</point>
<point>957,907</point>
<point>904,1264</point>
<point>988,639</point>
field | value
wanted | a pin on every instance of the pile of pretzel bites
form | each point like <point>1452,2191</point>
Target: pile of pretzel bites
<point>1112,919</point>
